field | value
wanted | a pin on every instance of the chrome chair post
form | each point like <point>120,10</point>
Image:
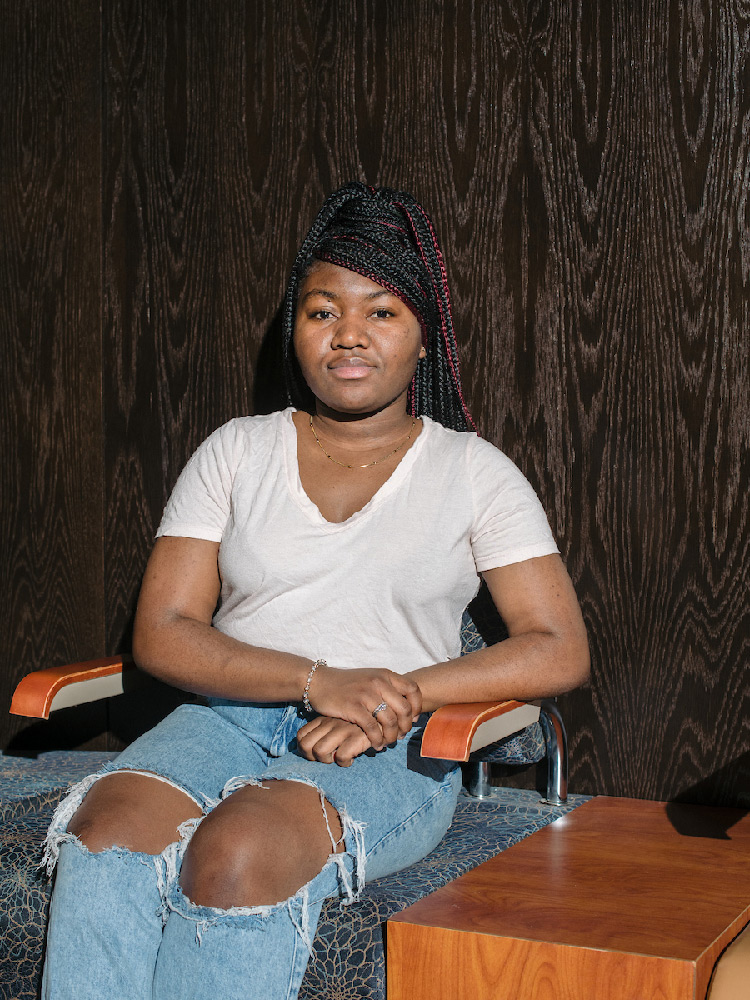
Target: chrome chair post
<point>557,752</point>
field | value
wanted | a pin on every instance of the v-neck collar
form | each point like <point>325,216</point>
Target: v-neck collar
<point>310,509</point>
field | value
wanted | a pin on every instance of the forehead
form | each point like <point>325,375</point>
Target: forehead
<point>336,282</point>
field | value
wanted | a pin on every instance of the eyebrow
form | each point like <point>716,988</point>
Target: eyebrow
<point>332,295</point>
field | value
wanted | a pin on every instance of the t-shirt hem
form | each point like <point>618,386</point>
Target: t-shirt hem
<point>190,531</point>
<point>518,555</point>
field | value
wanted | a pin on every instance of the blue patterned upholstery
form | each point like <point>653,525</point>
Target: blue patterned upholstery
<point>348,961</point>
<point>348,958</point>
<point>28,786</point>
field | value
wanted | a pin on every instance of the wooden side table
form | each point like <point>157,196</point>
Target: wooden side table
<point>621,899</point>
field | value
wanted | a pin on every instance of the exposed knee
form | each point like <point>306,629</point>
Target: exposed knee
<point>259,846</point>
<point>132,811</point>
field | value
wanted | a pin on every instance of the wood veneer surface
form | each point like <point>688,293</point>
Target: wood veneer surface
<point>431,963</point>
<point>613,874</point>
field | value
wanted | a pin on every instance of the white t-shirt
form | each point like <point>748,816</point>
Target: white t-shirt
<point>385,588</point>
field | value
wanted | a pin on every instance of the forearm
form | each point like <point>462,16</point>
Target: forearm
<point>524,667</point>
<point>195,656</point>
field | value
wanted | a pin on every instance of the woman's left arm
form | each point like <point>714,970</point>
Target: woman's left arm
<point>547,650</point>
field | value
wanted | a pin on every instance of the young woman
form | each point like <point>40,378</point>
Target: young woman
<point>308,580</point>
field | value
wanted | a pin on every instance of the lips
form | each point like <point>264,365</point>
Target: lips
<point>350,367</point>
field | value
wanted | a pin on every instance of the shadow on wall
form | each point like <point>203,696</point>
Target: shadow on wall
<point>269,392</point>
<point>729,783</point>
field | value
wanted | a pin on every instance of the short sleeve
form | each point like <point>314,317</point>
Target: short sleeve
<point>510,524</point>
<point>199,506</point>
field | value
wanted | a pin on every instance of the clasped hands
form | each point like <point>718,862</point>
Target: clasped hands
<point>345,725</point>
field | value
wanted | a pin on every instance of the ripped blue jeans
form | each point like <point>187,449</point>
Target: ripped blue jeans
<point>122,929</point>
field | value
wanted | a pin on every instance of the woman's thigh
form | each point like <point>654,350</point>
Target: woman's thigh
<point>198,751</point>
<point>394,806</point>
<point>402,804</point>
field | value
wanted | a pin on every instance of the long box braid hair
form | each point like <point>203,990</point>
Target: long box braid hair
<point>388,237</point>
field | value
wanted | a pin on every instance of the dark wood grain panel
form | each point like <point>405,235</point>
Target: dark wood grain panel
<point>597,229</point>
<point>695,349</point>
<point>587,166</point>
<point>681,563</point>
<point>51,592</point>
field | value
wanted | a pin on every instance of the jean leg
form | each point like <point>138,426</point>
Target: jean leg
<point>257,952</point>
<point>245,953</point>
<point>99,901</point>
<point>250,956</point>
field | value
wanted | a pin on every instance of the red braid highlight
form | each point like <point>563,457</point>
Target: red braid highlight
<point>452,359</point>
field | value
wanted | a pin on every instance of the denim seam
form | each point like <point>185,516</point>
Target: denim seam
<point>291,981</point>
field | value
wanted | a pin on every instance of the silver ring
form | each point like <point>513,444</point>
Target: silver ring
<point>380,708</point>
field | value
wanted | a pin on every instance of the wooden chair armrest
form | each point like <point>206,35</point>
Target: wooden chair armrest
<point>45,691</point>
<point>455,731</point>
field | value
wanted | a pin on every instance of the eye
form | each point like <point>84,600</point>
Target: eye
<point>383,313</point>
<point>320,314</point>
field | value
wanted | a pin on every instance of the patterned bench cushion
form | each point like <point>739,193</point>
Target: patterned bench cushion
<point>348,959</point>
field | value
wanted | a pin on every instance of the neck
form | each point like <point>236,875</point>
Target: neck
<point>362,429</point>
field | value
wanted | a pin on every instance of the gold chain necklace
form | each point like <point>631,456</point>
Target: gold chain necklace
<point>367,465</point>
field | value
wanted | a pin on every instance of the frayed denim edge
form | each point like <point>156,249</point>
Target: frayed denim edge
<point>352,831</point>
<point>165,864</point>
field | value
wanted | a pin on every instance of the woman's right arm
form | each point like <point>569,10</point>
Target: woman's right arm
<point>174,640</point>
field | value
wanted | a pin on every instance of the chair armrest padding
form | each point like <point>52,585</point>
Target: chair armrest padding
<point>455,731</point>
<point>44,691</point>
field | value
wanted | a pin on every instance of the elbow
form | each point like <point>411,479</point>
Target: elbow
<point>140,644</point>
<point>578,661</point>
<point>146,643</point>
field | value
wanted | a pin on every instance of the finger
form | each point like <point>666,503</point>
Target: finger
<point>389,724</point>
<point>309,728</point>
<point>310,734</point>
<point>371,728</point>
<point>350,748</point>
<point>409,689</point>
<point>404,717</point>
<point>306,752</point>
<point>325,742</point>
<point>323,751</point>
<point>397,720</point>
<point>308,749</point>
<point>334,736</point>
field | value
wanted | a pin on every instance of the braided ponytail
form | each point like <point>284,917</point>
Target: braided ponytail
<point>387,237</point>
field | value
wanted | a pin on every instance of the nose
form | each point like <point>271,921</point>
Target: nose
<point>350,331</point>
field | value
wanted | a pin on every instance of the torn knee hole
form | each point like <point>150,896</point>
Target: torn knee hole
<point>98,822</point>
<point>257,849</point>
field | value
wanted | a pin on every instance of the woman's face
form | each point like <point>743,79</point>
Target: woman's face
<point>357,344</point>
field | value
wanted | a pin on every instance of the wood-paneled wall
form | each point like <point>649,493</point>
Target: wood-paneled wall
<point>588,169</point>
<point>52,588</point>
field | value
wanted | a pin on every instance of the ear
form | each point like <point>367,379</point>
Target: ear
<point>422,352</point>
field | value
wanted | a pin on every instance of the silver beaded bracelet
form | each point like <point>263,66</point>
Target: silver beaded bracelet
<point>313,668</point>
